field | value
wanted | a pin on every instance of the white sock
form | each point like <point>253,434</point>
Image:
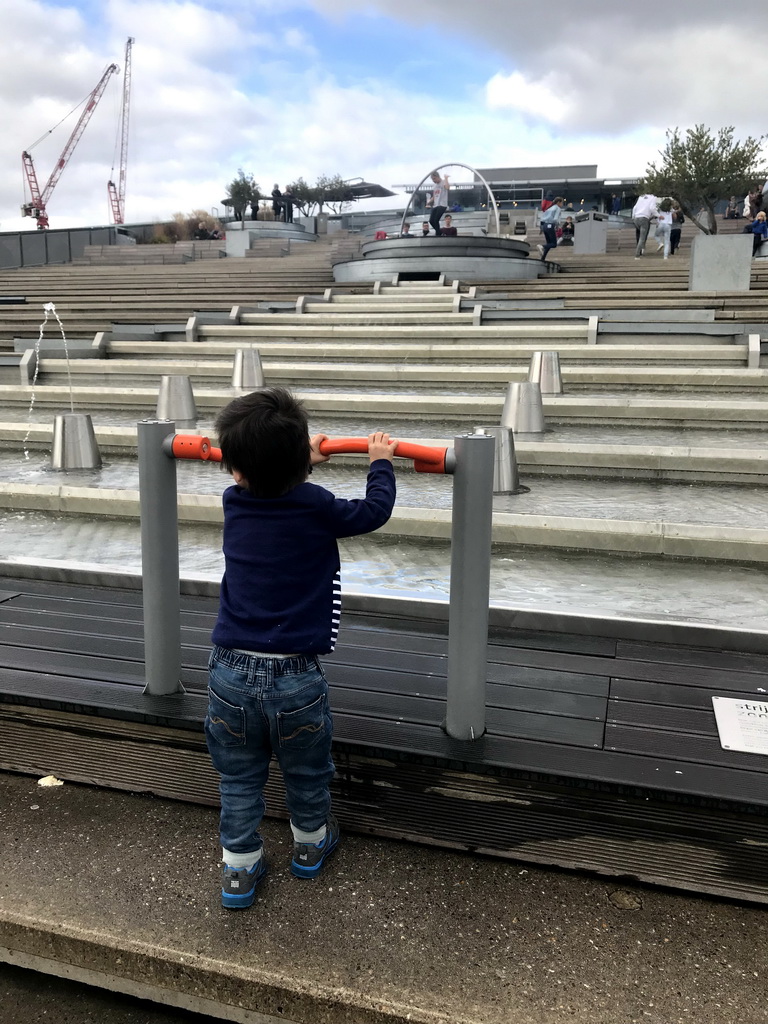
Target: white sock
<point>238,861</point>
<point>308,837</point>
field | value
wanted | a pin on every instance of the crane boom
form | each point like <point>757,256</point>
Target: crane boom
<point>37,207</point>
<point>117,194</point>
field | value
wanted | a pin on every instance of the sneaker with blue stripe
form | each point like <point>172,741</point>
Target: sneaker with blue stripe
<point>238,886</point>
<point>308,858</point>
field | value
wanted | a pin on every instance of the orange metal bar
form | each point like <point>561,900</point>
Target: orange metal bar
<point>425,459</point>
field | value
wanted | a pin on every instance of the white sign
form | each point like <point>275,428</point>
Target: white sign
<point>742,724</point>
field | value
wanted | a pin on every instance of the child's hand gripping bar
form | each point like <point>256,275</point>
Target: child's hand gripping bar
<point>425,459</point>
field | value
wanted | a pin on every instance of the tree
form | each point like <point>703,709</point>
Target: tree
<point>241,192</point>
<point>701,168</point>
<point>303,196</point>
<point>333,192</point>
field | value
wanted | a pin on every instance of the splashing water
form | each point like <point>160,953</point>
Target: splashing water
<point>49,308</point>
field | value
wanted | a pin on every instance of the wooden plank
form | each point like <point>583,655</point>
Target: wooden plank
<point>668,694</point>
<point>94,593</point>
<point>130,701</point>
<point>401,710</point>
<point>573,643</point>
<point>32,604</point>
<point>693,657</point>
<point>88,667</point>
<point>690,752</point>
<point>647,670</point>
<point>121,623</point>
<point>663,717</point>
<point>513,698</point>
<point>126,701</point>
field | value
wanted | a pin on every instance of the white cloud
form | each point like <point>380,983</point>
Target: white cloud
<point>515,92</point>
<point>618,66</point>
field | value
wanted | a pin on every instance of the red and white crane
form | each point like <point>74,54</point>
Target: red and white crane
<point>37,207</point>
<point>117,192</point>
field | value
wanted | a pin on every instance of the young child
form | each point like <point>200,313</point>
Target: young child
<point>279,609</point>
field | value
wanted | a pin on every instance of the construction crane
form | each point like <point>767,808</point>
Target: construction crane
<point>117,192</point>
<point>38,205</point>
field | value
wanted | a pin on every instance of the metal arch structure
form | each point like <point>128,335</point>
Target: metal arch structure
<point>117,193</point>
<point>466,168</point>
<point>37,207</point>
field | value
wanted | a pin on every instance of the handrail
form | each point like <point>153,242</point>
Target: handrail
<point>471,461</point>
<point>425,458</point>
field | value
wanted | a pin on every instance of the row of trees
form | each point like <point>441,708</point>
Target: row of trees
<point>328,191</point>
<point>700,168</point>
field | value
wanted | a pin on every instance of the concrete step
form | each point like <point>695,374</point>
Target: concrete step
<point>386,332</point>
<point>319,314</point>
<point>354,305</point>
<point>734,465</point>
<point>677,379</point>
<point>447,350</point>
<point>731,412</point>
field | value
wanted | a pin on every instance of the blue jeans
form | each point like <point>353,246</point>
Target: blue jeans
<point>257,707</point>
<point>550,238</point>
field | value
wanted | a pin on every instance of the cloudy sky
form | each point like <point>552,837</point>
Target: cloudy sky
<point>385,89</point>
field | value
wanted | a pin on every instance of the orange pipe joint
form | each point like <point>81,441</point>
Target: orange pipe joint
<point>192,446</point>
<point>425,459</point>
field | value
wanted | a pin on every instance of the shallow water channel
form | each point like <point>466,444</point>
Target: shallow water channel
<point>584,583</point>
<point>551,496</point>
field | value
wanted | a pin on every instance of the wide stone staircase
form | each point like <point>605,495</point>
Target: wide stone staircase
<point>429,359</point>
<point>644,505</point>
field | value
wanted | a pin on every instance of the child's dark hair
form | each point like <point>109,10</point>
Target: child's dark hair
<point>265,436</point>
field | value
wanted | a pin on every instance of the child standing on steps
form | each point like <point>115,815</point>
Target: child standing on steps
<point>279,609</point>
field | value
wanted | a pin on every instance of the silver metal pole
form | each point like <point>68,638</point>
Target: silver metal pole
<point>159,558</point>
<point>470,585</point>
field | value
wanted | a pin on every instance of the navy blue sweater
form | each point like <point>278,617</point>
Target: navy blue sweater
<point>281,591</point>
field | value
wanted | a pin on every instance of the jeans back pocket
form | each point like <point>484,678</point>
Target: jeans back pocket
<point>304,727</point>
<point>224,723</point>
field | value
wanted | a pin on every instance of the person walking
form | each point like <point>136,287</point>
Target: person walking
<point>678,219</point>
<point>277,201</point>
<point>548,223</point>
<point>279,609</point>
<point>438,201</point>
<point>664,222</point>
<point>643,213</point>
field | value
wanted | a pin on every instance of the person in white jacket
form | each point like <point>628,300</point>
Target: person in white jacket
<point>643,213</point>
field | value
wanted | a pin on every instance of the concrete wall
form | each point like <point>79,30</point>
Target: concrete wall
<point>36,248</point>
<point>720,263</point>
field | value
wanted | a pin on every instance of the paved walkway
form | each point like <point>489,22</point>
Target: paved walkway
<point>125,887</point>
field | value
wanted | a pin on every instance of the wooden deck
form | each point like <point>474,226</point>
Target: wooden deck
<point>601,751</point>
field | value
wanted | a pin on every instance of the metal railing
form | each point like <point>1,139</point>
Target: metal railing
<point>470,462</point>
